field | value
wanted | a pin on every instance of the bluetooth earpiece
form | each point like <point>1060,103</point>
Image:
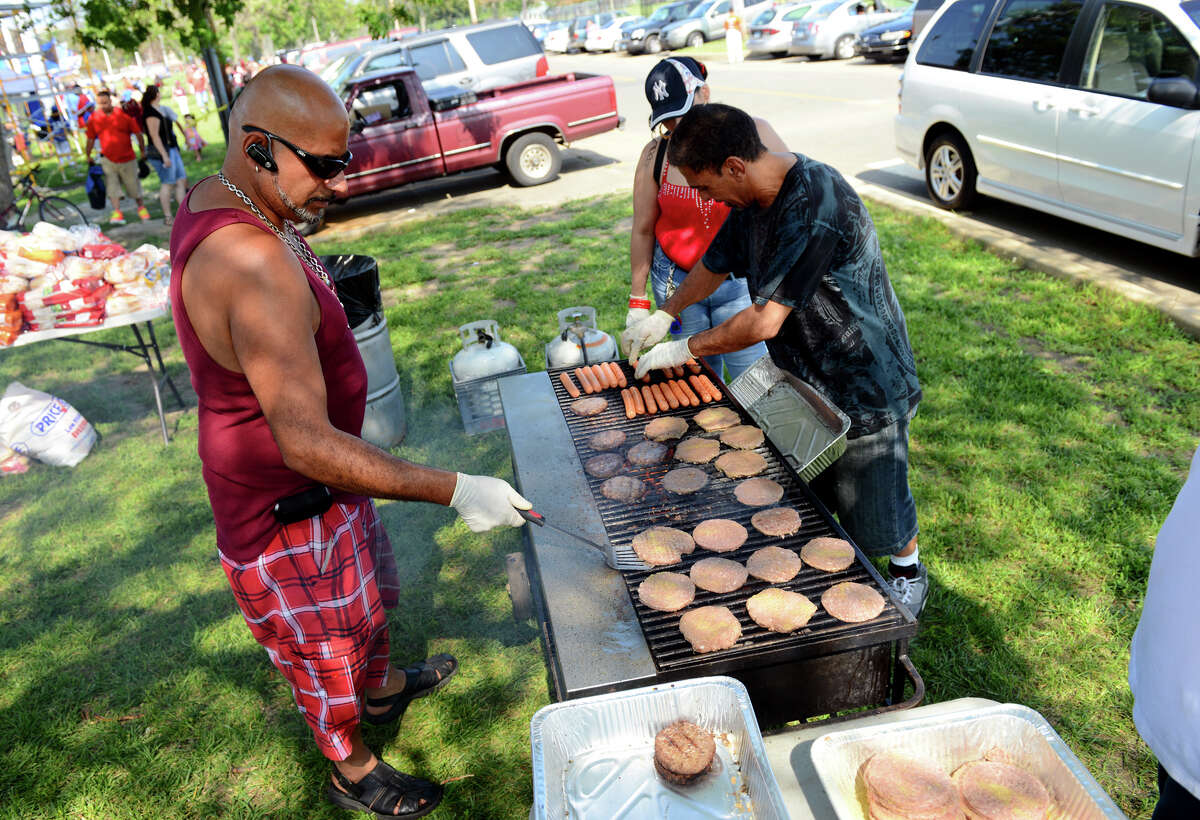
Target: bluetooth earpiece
<point>261,155</point>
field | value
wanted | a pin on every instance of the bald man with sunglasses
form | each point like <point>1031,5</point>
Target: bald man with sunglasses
<point>282,391</point>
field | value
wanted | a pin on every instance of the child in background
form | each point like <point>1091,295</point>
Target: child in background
<point>58,133</point>
<point>191,135</point>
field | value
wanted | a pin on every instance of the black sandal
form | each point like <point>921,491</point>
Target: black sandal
<point>419,680</point>
<point>382,790</point>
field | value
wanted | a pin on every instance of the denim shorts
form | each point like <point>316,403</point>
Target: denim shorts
<point>172,170</point>
<point>868,489</point>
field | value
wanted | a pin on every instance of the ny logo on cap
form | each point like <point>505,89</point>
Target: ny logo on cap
<point>660,90</point>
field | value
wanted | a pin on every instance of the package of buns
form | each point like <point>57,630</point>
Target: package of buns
<point>17,264</point>
<point>125,269</point>
<point>79,267</point>
<point>13,284</point>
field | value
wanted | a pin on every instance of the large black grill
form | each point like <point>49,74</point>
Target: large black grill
<point>867,658</point>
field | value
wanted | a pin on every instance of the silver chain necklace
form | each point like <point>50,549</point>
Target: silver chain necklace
<point>291,238</point>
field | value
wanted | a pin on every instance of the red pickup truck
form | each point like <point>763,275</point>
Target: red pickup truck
<point>403,132</point>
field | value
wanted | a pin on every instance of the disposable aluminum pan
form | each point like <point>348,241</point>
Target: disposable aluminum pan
<point>1020,734</point>
<point>593,757</point>
<point>807,429</point>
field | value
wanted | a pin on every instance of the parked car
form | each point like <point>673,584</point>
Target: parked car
<point>922,11</point>
<point>644,35</point>
<point>771,30</point>
<point>557,37</point>
<point>829,30</point>
<point>1095,118</point>
<point>606,37</point>
<point>886,41</point>
<point>475,57</point>
<point>706,22</point>
<point>581,26</point>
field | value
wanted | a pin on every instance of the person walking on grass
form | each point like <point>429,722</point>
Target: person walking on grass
<point>159,123</point>
<point>824,305</point>
<point>114,129</point>
<point>282,393</point>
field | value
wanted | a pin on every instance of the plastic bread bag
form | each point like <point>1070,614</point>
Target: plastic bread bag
<point>44,427</point>
<point>45,235</point>
<point>12,463</point>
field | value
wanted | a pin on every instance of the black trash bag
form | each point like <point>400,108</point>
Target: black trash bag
<point>356,278</point>
<point>96,186</point>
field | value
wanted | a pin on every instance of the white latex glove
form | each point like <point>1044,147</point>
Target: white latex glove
<point>635,315</point>
<point>485,502</point>
<point>662,356</point>
<point>651,330</point>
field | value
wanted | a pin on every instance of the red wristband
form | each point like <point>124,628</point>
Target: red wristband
<point>635,302</point>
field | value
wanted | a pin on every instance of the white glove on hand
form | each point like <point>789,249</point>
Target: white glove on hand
<point>651,330</point>
<point>635,315</point>
<point>662,356</point>
<point>485,502</point>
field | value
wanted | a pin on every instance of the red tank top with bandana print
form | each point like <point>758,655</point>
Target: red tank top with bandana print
<point>686,225</point>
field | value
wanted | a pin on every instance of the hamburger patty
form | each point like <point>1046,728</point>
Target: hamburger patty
<point>716,418</point>
<point>899,786</point>
<point>774,565</point>
<point>742,437</point>
<point>852,602</point>
<point>1000,791</point>
<point>710,628</point>
<point>665,428</point>
<point>828,554</point>
<point>646,453</point>
<point>780,610</point>
<point>683,752</point>
<point>776,521</point>
<point>605,465</point>
<point>607,440</point>
<point>741,463</point>
<point>623,488</point>
<point>590,406</point>
<point>718,574</point>
<point>667,591</point>
<point>684,480</point>
<point>697,450</point>
<point>719,534</point>
<point>660,546</point>
<point>758,492</point>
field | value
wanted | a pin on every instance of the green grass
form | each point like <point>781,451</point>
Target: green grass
<point>1055,431</point>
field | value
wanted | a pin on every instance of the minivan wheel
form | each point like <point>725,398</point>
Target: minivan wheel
<point>695,40</point>
<point>653,45</point>
<point>843,49</point>
<point>533,159</point>
<point>950,172</point>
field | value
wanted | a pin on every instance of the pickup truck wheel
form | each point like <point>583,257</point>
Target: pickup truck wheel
<point>950,172</point>
<point>843,49</point>
<point>695,40</point>
<point>533,159</point>
<point>653,44</point>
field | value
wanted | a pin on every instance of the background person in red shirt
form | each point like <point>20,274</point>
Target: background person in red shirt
<point>114,128</point>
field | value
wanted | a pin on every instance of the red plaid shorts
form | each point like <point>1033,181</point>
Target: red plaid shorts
<point>315,600</point>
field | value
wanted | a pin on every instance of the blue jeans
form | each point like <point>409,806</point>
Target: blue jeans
<point>868,489</point>
<point>172,170</point>
<point>730,298</point>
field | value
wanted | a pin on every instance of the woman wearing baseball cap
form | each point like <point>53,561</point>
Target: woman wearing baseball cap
<point>672,227</point>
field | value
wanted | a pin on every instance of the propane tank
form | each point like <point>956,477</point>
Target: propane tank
<point>483,353</point>
<point>578,340</point>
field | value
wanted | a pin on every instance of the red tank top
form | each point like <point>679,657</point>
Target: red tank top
<point>242,466</point>
<point>686,225</point>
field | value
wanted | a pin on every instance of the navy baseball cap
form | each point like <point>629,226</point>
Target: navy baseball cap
<point>671,87</point>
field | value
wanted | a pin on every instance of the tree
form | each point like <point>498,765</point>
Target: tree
<point>268,25</point>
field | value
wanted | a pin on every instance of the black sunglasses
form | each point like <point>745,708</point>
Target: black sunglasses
<point>324,167</point>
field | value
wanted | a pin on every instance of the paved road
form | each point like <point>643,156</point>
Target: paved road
<point>836,111</point>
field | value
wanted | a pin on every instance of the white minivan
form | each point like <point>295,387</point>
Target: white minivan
<point>1085,109</point>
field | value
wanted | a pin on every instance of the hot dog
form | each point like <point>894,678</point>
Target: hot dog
<point>693,365</point>
<point>673,386</point>
<point>600,376</point>
<point>648,396</point>
<point>585,379</point>
<point>700,389</point>
<point>630,412</point>
<point>639,407</point>
<point>712,388</point>
<point>618,373</point>
<point>664,396</point>
<point>692,398</point>
<point>568,385</point>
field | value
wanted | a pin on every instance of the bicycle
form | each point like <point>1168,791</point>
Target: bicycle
<point>56,210</point>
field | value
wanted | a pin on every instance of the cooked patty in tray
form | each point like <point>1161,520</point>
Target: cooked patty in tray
<point>683,752</point>
<point>666,428</point>
<point>590,406</point>
<point>719,534</point>
<point>758,492</point>
<point>623,488</point>
<point>718,574</point>
<point>710,628</point>
<point>605,465</point>
<point>697,450</point>
<point>828,554</point>
<point>716,418</point>
<point>852,602</point>
<point>684,480</point>
<point>780,610</point>
<point>900,786</point>
<point>779,522</point>
<point>742,437</point>
<point>667,591</point>
<point>607,440</point>
<point>774,565</point>
<point>741,463</point>
<point>646,453</point>
<point>1001,791</point>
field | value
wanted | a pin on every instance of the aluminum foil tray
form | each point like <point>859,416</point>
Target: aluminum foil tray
<point>807,429</point>
<point>593,757</point>
<point>948,741</point>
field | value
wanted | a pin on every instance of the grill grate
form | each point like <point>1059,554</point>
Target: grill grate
<point>671,653</point>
